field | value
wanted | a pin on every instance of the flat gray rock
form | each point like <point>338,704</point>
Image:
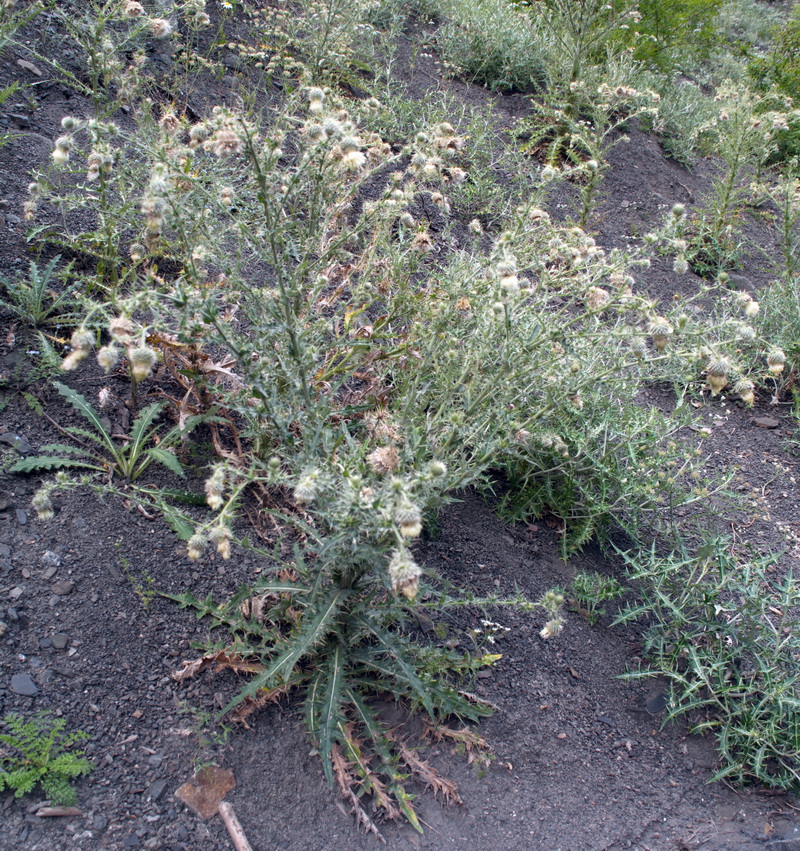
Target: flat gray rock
<point>24,685</point>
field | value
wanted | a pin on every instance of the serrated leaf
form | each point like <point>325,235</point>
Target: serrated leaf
<point>84,407</point>
<point>314,631</point>
<point>330,709</point>
<point>167,458</point>
<point>44,462</point>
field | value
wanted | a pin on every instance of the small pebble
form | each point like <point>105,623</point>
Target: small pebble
<point>60,640</point>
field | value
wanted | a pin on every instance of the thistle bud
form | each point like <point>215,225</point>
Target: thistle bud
<point>196,547</point>
<point>220,536</point>
<point>107,357</point>
<point>142,359</point>
<point>122,330</point>
<point>409,518</point>
<point>404,574</point>
<point>437,469</point>
<point>776,360</point>
<point>660,332</point>
<point>744,388</point>
<point>42,505</point>
<point>307,489</point>
<point>717,375</point>
<point>680,265</point>
<point>215,488</point>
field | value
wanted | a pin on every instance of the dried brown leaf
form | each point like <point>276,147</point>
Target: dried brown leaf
<point>429,775</point>
<point>346,781</point>
<point>222,660</point>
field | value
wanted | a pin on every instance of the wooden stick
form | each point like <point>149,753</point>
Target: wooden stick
<point>238,838</point>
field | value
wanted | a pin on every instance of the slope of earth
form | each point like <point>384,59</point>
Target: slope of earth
<point>582,761</point>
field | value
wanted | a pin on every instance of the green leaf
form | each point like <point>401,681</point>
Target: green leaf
<point>181,525</point>
<point>167,458</point>
<point>139,429</point>
<point>45,462</point>
<point>314,631</point>
<point>330,714</point>
<point>396,663</point>
<point>82,405</point>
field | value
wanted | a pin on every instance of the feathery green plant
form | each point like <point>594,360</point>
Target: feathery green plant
<point>38,751</point>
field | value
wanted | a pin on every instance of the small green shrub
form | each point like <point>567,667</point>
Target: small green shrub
<point>669,26</point>
<point>780,67</point>
<point>39,752</point>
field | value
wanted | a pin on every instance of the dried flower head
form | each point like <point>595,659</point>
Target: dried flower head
<point>225,143</point>
<point>422,243</point>
<point>133,9</point>
<point>597,298</point>
<point>384,459</point>
<point>353,160</point>
<point>160,27</point>
<point>552,628</point>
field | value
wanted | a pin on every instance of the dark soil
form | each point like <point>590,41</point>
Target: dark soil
<point>582,760</point>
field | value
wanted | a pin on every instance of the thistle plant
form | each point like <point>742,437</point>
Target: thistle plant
<point>591,590</point>
<point>725,635</point>
<point>742,134</point>
<point>370,370</point>
<point>35,301</point>
<point>127,460</point>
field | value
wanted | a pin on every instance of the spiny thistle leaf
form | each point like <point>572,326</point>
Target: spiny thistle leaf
<point>47,462</point>
<point>324,725</point>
